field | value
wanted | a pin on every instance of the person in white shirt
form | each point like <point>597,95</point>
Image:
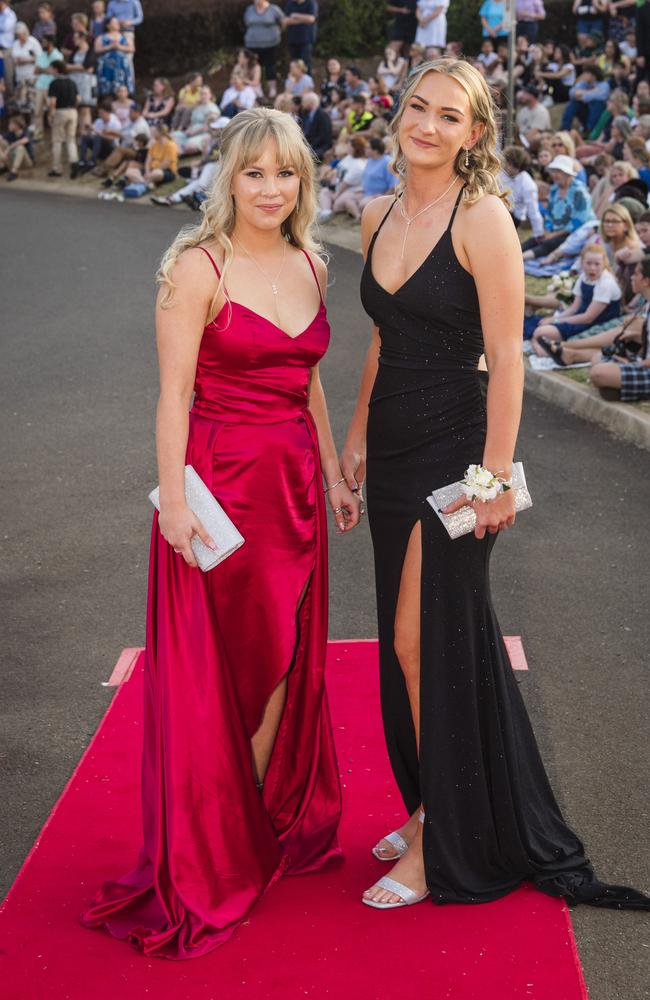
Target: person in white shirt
<point>8,21</point>
<point>239,96</point>
<point>532,117</point>
<point>524,191</point>
<point>24,52</point>
<point>100,140</point>
<point>125,150</point>
<point>432,22</point>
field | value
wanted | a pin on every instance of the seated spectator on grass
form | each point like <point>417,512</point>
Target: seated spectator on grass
<point>632,255</point>
<point>97,143</point>
<point>114,50</point>
<point>16,152</point>
<point>159,104</point>
<point>345,175</point>
<point>597,299</point>
<point>591,349</point>
<point>138,151</point>
<point>298,82</point>
<point>380,99</point>
<point>611,130</point>
<point>62,101</point>
<point>355,85</point>
<point>237,97</point>
<point>359,115</point>
<point>248,64</point>
<point>195,192</point>
<point>44,25</point>
<point>392,70</point>
<point>188,97</point>
<point>609,57</point>
<point>195,138</point>
<point>97,18</point>
<point>121,104</point>
<point>566,257</point>
<point>81,69</point>
<point>24,52</point>
<point>78,22</point>
<point>487,55</point>
<point>626,183</point>
<point>569,206</point>
<point>635,153</point>
<point>316,125</point>
<point>377,179</point>
<point>627,43</point>
<point>126,148</point>
<point>161,163</point>
<point>559,74</point>
<point>524,193</point>
<point>562,144</point>
<point>587,99</point>
<point>532,117</point>
<point>416,57</point>
<point>334,80</point>
<point>336,110</point>
<point>618,233</point>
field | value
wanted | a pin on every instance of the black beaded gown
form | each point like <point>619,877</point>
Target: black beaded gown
<point>491,817</point>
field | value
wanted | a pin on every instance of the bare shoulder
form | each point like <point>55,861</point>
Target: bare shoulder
<point>487,230</point>
<point>488,210</point>
<point>319,266</point>
<point>372,215</point>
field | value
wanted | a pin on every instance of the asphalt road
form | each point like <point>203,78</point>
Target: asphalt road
<point>78,386</point>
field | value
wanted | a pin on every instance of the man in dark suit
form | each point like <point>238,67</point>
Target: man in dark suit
<point>316,125</point>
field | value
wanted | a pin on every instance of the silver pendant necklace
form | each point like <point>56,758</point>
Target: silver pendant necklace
<point>409,219</point>
<point>273,281</point>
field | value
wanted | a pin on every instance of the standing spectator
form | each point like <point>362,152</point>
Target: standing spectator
<point>493,19</point>
<point>98,19</point>
<point>159,104</point>
<point>300,22</point>
<point>264,22</point>
<point>588,99</point>
<point>129,15</point>
<point>100,140</point>
<point>532,117</point>
<point>569,207</point>
<point>8,21</point>
<point>432,22</point>
<point>188,97</point>
<point>404,25</point>
<point>392,70</point>
<point>529,14</point>
<point>316,125</point>
<point>333,81</point>
<point>298,81</point>
<point>62,100</point>
<point>524,193</point>
<point>45,23</point>
<point>161,164</point>
<point>78,22</point>
<point>44,78</point>
<point>237,97</point>
<point>24,53</point>
<point>15,147</point>
<point>591,16</point>
<point>114,66</point>
<point>81,69</point>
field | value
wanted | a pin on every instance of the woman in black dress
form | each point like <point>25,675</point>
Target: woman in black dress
<point>444,283</point>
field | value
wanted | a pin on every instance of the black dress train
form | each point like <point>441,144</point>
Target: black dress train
<point>491,817</point>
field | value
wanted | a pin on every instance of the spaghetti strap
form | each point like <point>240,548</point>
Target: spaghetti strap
<point>378,229</point>
<point>212,260</point>
<point>453,214</point>
<point>313,271</point>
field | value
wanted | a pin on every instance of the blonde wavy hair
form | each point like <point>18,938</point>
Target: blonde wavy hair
<point>242,141</point>
<point>481,176</point>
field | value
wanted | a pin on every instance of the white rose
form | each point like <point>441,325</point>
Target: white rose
<point>483,477</point>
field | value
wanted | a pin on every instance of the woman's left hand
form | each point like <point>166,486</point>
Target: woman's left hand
<point>493,516</point>
<point>346,506</point>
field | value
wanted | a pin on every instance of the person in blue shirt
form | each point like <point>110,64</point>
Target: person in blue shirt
<point>377,179</point>
<point>493,19</point>
<point>128,12</point>
<point>569,207</point>
<point>587,99</point>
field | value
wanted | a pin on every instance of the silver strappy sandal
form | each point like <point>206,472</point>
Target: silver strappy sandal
<point>407,897</point>
<point>397,841</point>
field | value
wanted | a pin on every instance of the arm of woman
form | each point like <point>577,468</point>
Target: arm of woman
<point>100,47</point>
<point>126,44</point>
<point>179,329</point>
<point>493,251</point>
<point>353,456</point>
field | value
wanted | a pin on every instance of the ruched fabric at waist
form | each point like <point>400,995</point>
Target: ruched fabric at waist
<point>434,360</point>
<point>234,400</point>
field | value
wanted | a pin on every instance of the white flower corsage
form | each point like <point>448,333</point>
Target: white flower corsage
<point>481,484</point>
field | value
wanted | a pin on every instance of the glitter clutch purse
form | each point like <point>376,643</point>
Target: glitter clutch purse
<point>462,521</point>
<point>212,516</point>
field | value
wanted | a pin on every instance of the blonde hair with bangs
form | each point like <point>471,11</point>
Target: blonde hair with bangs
<point>481,176</point>
<point>243,139</point>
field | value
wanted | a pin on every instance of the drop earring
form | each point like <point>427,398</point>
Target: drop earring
<point>466,157</point>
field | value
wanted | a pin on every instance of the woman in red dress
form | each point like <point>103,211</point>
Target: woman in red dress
<point>239,778</point>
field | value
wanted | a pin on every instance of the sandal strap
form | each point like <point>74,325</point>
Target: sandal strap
<point>397,841</point>
<point>390,885</point>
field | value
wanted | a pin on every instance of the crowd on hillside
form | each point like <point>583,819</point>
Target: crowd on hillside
<point>580,187</point>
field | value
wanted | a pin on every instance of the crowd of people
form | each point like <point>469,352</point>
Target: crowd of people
<point>580,188</point>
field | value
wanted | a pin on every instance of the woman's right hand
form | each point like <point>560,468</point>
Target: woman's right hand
<point>177,526</point>
<point>353,464</point>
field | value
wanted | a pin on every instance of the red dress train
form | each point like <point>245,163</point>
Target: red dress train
<point>217,645</point>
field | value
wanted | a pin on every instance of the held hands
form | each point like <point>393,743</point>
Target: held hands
<point>177,526</point>
<point>346,506</point>
<point>353,465</point>
<point>493,516</point>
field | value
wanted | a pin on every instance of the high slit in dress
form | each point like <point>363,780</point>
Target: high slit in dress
<point>492,820</point>
<point>219,643</point>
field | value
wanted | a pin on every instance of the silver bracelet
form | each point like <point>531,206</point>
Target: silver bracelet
<point>333,485</point>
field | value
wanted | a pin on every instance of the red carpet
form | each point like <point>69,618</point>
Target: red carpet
<point>310,936</point>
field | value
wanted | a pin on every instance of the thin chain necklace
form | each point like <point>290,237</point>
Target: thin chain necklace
<point>273,281</point>
<point>408,220</point>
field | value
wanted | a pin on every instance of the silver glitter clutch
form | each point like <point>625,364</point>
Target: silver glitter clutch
<point>462,521</point>
<point>212,516</point>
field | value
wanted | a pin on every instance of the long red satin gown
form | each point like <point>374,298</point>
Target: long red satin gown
<point>218,643</point>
